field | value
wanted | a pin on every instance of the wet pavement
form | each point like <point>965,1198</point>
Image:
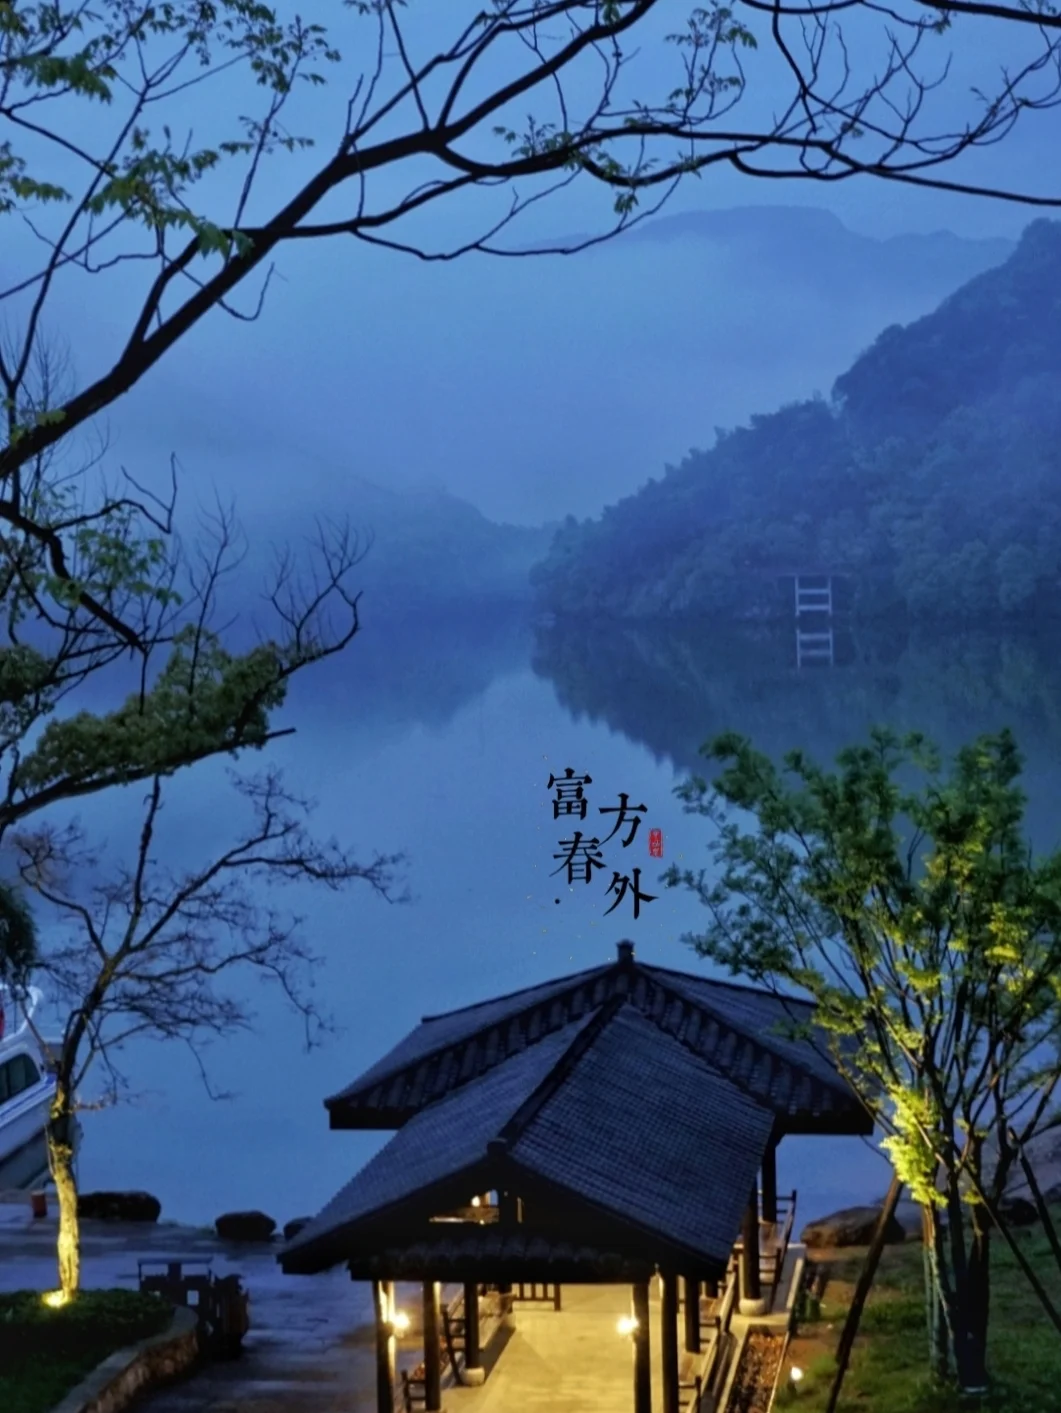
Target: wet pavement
<point>309,1349</point>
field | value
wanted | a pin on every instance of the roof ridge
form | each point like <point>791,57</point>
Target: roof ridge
<point>837,1083</point>
<point>730,985</point>
<point>559,981</point>
<point>515,1126</point>
<point>763,1100</point>
<point>565,988</point>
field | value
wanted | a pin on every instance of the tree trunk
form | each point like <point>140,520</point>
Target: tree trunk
<point>937,1294</point>
<point>61,1162</point>
<point>862,1289</point>
<point>972,1364</point>
<point>969,1297</point>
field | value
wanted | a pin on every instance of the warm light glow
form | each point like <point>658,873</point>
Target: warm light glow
<point>54,1298</point>
<point>475,1201</point>
<point>795,1375</point>
<point>400,1323</point>
<point>627,1325</point>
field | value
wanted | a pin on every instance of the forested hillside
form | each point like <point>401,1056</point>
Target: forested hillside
<point>932,478</point>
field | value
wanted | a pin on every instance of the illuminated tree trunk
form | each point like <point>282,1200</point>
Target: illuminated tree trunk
<point>937,1303</point>
<point>61,1162</point>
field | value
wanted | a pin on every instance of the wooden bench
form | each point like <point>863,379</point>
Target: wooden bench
<point>536,1293</point>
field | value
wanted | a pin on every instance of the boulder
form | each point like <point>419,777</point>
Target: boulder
<point>118,1206</point>
<point>852,1227</point>
<point>245,1226</point>
<point>294,1226</point>
<point>1018,1211</point>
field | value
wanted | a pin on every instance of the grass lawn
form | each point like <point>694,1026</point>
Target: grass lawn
<point>887,1373</point>
<point>44,1352</point>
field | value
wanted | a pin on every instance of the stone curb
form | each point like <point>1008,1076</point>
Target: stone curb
<point>114,1384</point>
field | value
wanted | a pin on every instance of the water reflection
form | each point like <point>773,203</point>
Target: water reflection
<point>672,686</point>
<point>438,739</point>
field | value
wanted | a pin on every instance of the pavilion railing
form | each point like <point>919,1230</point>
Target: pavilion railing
<point>779,1234</point>
<point>409,1395</point>
<point>690,1394</point>
<point>711,1369</point>
<point>786,1209</point>
<point>729,1295</point>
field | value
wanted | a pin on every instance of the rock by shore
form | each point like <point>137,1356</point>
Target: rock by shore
<point>245,1226</point>
<point>118,1206</point>
<point>854,1226</point>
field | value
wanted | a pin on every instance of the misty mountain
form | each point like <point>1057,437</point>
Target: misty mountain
<point>426,545</point>
<point>815,247</point>
<point>422,549</point>
<point>535,388</point>
<point>930,480</point>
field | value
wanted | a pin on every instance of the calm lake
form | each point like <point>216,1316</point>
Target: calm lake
<point>439,739</point>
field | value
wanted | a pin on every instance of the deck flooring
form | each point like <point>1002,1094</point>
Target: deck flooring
<point>571,1360</point>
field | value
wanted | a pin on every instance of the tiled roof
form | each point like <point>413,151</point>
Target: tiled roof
<point>735,1028</point>
<point>646,1129</point>
<point>611,1111</point>
<point>761,1015</point>
<point>436,1033</point>
<point>445,1138</point>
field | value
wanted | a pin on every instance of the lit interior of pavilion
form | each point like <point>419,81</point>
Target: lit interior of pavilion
<point>578,1165</point>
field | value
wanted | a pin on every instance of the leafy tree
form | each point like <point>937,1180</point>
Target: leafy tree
<point>139,949</point>
<point>151,945</point>
<point>110,577</point>
<point>913,913</point>
<point>18,940</point>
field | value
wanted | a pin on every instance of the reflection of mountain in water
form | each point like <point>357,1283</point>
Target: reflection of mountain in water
<point>417,670</point>
<point>670,688</point>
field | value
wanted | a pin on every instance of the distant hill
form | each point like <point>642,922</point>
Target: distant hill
<point>932,479</point>
<point>427,549</point>
<point>814,246</point>
<point>536,388</point>
<point>826,253</point>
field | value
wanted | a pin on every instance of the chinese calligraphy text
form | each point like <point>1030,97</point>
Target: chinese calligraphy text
<point>579,855</point>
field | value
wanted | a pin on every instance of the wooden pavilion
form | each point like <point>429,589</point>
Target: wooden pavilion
<point>604,1128</point>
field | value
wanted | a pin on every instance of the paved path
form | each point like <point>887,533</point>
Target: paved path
<point>572,1360</point>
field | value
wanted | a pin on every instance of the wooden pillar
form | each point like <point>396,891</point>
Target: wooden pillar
<point>751,1301</point>
<point>472,1352</point>
<point>668,1306</point>
<point>692,1315</point>
<point>507,1216</point>
<point>642,1351</point>
<point>432,1347</point>
<point>383,1302</point>
<point>770,1182</point>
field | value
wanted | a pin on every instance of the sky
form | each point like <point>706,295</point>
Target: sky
<point>532,388</point>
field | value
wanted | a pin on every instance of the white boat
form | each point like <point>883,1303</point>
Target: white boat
<point>27,1088</point>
